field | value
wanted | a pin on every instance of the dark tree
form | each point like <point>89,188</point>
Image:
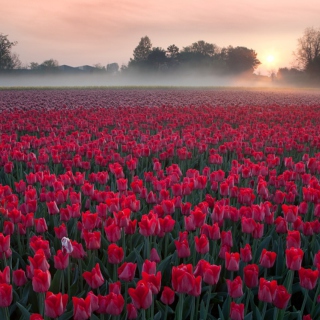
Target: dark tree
<point>8,60</point>
<point>308,48</point>
<point>142,51</point>
<point>172,52</point>
<point>202,47</point>
<point>157,58</point>
<point>49,64</point>
<point>241,60</point>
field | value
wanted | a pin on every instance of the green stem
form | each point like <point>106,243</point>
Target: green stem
<point>181,298</point>
<point>208,302</point>
<point>7,313</point>
<point>62,282</point>
<point>143,314</point>
<point>247,301</point>
<point>275,313</point>
<point>264,310</point>
<point>305,297</point>
<point>41,303</point>
<point>152,306</point>
<point>166,312</point>
<point>192,308</point>
<point>69,280</point>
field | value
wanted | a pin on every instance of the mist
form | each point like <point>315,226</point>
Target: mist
<point>188,79</point>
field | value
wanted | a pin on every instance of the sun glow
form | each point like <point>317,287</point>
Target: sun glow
<point>270,58</point>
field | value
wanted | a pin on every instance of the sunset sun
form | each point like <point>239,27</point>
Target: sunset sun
<point>270,58</point>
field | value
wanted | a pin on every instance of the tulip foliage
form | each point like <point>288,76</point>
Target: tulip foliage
<point>159,204</point>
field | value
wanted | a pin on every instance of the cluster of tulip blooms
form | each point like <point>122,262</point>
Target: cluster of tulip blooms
<point>182,211</point>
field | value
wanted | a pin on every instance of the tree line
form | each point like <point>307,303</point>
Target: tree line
<point>200,56</point>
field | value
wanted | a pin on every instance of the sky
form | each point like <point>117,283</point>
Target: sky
<point>79,32</point>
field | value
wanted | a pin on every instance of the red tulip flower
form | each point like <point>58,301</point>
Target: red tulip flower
<point>111,304</point>
<point>266,290</point>
<point>92,239</point>
<point>5,295</point>
<point>127,271</point>
<point>183,280</point>
<point>36,316</point>
<point>81,308</point>
<point>61,260</point>
<point>94,278</point>
<point>5,275</point>
<point>19,277</point>
<point>211,274</point>
<point>132,311</point>
<point>293,239</point>
<point>149,267</point>
<point>236,311</point>
<point>267,258</point>
<point>202,244</point>
<point>55,304</point>
<point>235,287</point>
<point>61,231</point>
<point>245,253</point>
<point>294,258</point>
<point>232,261</point>
<point>250,275</point>
<point>167,296</point>
<point>41,280</point>
<point>141,296</point>
<point>308,278</point>
<point>281,297</point>
<point>183,249</point>
<point>115,254</point>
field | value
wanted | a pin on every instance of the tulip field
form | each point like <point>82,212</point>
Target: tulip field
<point>159,203</point>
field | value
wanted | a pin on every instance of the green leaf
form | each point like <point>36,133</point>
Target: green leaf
<point>263,245</point>
<point>25,312</point>
<point>158,316</point>
<point>55,283</point>
<point>66,316</point>
<point>248,316</point>
<point>202,310</point>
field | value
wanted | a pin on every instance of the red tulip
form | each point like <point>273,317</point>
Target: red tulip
<point>148,225</point>
<point>92,239</point>
<point>267,258</point>
<point>294,258</point>
<point>94,278</point>
<point>202,244</point>
<point>212,232</point>
<point>211,274</point>
<point>5,295</point>
<point>39,261</point>
<point>308,278</point>
<point>250,275</point>
<point>132,311</point>
<point>41,280</point>
<point>61,231</point>
<point>78,251</point>
<point>235,287</point>
<point>266,290</point>
<point>111,304</point>
<point>36,316</point>
<point>55,304</point>
<point>281,297</point>
<point>183,280</point>
<point>154,281</point>
<point>232,261</point>
<point>293,239</point>
<point>113,232</point>
<point>183,249</point>
<point>81,308</point>
<point>4,244</point>
<point>61,260</point>
<point>5,275</point>
<point>127,271</point>
<point>19,277</point>
<point>115,254</point>
<point>141,296</point>
<point>245,253</point>
<point>167,296</point>
<point>89,220</point>
<point>149,267</point>
<point>236,311</point>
